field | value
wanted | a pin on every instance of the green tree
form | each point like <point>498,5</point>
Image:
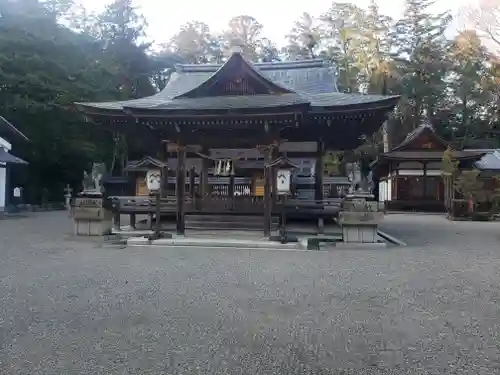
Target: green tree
<point>304,38</point>
<point>341,35</point>
<point>267,51</point>
<point>245,32</point>
<point>421,56</point>
<point>469,87</point>
<point>195,44</point>
<point>471,186</point>
<point>44,69</point>
<point>121,29</point>
<point>375,60</point>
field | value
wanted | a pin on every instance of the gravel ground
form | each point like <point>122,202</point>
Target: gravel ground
<point>79,307</point>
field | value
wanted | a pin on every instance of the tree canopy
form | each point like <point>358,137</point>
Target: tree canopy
<point>53,54</point>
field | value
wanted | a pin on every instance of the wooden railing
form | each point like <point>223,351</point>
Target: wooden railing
<point>238,204</point>
<point>145,205</point>
<point>223,204</point>
<point>329,204</point>
<point>209,203</point>
<point>332,186</point>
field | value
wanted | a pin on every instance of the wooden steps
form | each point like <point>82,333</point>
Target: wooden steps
<point>228,222</point>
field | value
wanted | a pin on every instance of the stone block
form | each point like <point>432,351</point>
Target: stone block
<point>359,233</point>
<point>360,218</point>
<point>360,226</point>
<point>92,227</point>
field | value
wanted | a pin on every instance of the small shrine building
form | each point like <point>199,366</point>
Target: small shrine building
<point>410,176</point>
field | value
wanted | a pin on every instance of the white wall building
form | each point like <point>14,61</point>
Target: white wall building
<point>3,173</point>
<point>7,131</point>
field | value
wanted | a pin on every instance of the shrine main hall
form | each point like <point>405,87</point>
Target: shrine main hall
<point>218,133</point>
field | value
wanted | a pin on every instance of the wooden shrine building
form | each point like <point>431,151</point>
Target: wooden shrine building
<point>216,130</point>
<point>410,176</point>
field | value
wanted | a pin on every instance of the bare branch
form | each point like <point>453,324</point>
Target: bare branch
<point>485,19</point>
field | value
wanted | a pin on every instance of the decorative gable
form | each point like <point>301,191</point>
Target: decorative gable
<point>424,138</point>
<point>427,142</point>
<point>282,162</point>
<point>146,163</point>
<point>236,77</point>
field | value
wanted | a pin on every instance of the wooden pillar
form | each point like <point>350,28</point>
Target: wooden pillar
<point>438,188</point>
<point>424,187</point>
<point>180,188</point>
<point>395,194</point>
<point>205,165</point>
<point>267,192</point>
<point>318,181</point>
<point>164,172</point>
<point>192,176</point>
<point>274,175</point>
<point>448,193</point>
<point>230,191</point>
<point>149,221</point>
<point>158,213</point>
<point>117,217</point>
<point>8,187</point>
<point>318,171</point>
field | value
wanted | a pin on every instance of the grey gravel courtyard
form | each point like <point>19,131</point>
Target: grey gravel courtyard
<point>79,307</point>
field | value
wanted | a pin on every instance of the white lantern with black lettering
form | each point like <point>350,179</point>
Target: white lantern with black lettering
<point>284,168</point>
<point>153,180</point>
<point>283,181</point>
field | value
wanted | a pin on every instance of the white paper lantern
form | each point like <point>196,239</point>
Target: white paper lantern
<point>153,180</point>
<point>283,178</point>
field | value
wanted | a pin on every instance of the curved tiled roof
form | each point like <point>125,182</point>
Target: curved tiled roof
<point>311,82</point>
<point>306,77</point>
<point>8,158</point>
<point>425,127</point>
<point>490,161</point>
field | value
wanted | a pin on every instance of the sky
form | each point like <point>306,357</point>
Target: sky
<point>277,16</point>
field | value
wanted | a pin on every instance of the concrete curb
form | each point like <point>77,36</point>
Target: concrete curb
<point>132,232</point>
<point>419,213</point>
<point>357,246</point>
<point>204,242</point>
<point>391,239</point>
<point>213,243</point>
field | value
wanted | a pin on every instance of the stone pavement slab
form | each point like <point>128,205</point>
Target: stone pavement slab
<point>209,241</point>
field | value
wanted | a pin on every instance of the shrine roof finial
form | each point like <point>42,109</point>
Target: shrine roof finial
<point>426,123</point>
<point>236,49</point>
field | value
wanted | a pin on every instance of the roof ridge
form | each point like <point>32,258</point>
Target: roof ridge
<point>275,65</point>
<point>237,58</point>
